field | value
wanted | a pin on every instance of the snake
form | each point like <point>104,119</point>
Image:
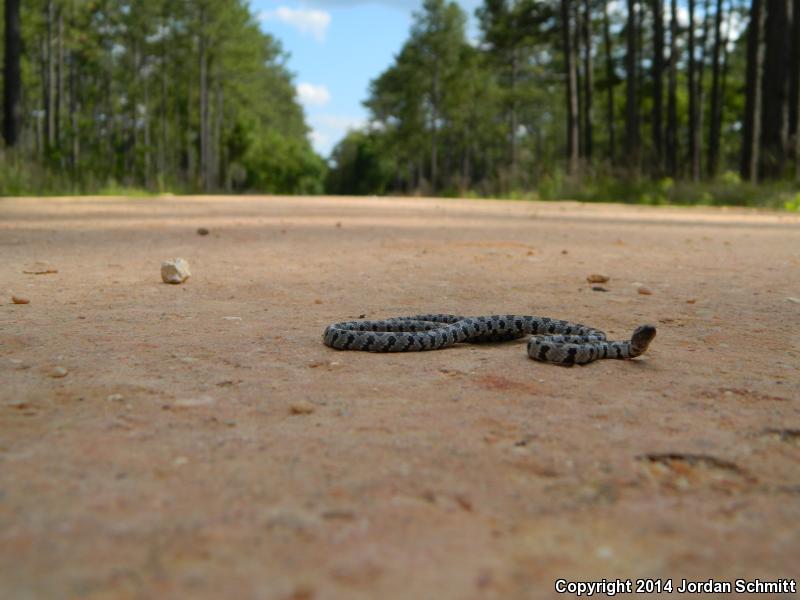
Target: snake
<point>552,340</point>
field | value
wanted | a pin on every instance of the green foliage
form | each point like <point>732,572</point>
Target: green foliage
<point>793,204</point>
<point>113,188</point>
<point>362,165</point>
<point>277,164</point>
<point>488,119</point>
<point>432,98</point>
<point>192,96</point>
<point>726,190</point>
<point>155,96</point>
<point>21,178</point>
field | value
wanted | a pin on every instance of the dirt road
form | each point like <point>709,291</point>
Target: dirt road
<point>203,443</point>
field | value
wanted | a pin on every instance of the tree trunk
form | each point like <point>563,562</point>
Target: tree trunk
<point>74,81</point>
<point>715,126</point>
<point>588,80</point>
<point>576,48</point>
<point>435,128</point>
<point>12,78</point>
<point>131,165</point>
<point>751,136</point>
<point>72,106</point>
<point>658,85</point>
<point>162,147</point>
<point>147,146</point>
<point>514,116</point>
<point>465,163</point>
<point>694,161</point>
<point>610,116</point>
<point>218,158</point>
<point>190,161</point>
<point>41,120</point>
<point>794,96</point>
<point>723,90</point>
<point>672,94</point>
<point>573,141</point>
<point>775,89</point>
<point>701,90</point>
<point>631,95</point>
<point>108,110</point>
<point>204,124</point>
<point>59,87</point>
<point>49,97</point>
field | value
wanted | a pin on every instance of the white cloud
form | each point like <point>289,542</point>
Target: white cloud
<point>306,20</point>
<point>402,4</point>
<point>327,130</point>
<point>313,95</point>
<point>340,122</point>
<point>320,141</point>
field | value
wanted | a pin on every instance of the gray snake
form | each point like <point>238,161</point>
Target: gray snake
<point>552,340</point>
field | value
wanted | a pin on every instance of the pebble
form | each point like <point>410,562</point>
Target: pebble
<point>115,398</point>
<point>597,278</point>
<point>20,300</point>
<point>644,290</point>
<point>58,372</point>
<point>175,271</point>
<point>301,407</point>
<point>302,593</point>
<point>794,300</point>
<point>604,552</point>
<point>194,402</point>
<point>42,272</point>
<point>598,288</point>
<point>202,231</point>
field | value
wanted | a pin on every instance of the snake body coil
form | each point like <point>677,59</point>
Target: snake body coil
<point>553,340</point>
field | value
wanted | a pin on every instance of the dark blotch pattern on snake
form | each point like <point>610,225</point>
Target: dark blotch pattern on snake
<point>553,340</point>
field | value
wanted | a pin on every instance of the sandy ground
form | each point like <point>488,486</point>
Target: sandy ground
<point>169,462</point>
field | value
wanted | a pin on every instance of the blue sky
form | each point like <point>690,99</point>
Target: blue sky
<point>336,47</point>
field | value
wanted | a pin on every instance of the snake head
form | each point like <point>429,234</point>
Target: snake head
<point>641,339</point>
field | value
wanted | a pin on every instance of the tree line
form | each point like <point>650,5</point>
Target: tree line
<point>154,94</point>
<point>190,95</point>
<point>579,89</point>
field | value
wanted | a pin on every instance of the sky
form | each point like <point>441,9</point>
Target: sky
<point>336,47</point>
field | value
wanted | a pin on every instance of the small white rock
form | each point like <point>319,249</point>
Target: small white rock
<point>301,407</point>
<point>58,372</point>
<point>175,271</point>
<point>597,278</point>
<point>605,552</point>
<point>194,402</point>
<point>115,398</point>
